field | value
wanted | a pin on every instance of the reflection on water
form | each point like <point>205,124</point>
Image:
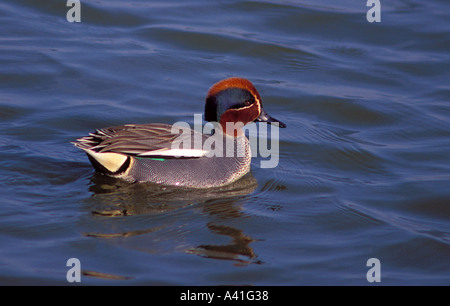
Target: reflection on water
<point>146,198</point>
<point>112,198</point>
<point>238,250</point>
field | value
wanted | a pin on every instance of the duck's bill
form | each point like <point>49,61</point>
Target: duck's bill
<point>264,117</point>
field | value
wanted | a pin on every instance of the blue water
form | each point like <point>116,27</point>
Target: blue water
<point>364,168</point>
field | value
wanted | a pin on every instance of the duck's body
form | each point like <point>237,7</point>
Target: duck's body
<point>144,153</point>
<point>167,155</point>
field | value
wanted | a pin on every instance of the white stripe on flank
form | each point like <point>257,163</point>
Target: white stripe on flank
<point>176,153</point>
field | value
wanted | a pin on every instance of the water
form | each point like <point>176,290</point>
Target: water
<point>364,164</point>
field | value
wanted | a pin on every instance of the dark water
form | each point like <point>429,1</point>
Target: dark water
<point>364,167</point>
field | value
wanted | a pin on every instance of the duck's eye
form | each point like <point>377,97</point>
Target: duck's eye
<point>248,102</point>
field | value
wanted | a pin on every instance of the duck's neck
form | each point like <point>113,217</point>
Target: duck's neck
<point>233,129</point>
<point>233,120</point>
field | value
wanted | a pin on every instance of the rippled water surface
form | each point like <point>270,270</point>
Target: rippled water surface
<point>364,163</point>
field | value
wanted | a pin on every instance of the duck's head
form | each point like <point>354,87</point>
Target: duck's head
<point>236,100</point>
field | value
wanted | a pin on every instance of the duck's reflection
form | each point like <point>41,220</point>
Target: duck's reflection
<point>238,250</point>
<point>172,209</point>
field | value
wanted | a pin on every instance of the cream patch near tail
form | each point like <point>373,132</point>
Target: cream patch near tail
<point>111,161</point>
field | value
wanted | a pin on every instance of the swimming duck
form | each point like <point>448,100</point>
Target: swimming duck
<point>164,154</point>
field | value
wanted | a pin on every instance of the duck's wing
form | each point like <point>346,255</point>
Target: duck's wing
<point>145,140</point>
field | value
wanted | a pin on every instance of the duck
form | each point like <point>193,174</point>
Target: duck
<point>165,154</point>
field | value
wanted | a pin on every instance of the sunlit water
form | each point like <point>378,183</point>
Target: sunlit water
<point>364,161</point>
